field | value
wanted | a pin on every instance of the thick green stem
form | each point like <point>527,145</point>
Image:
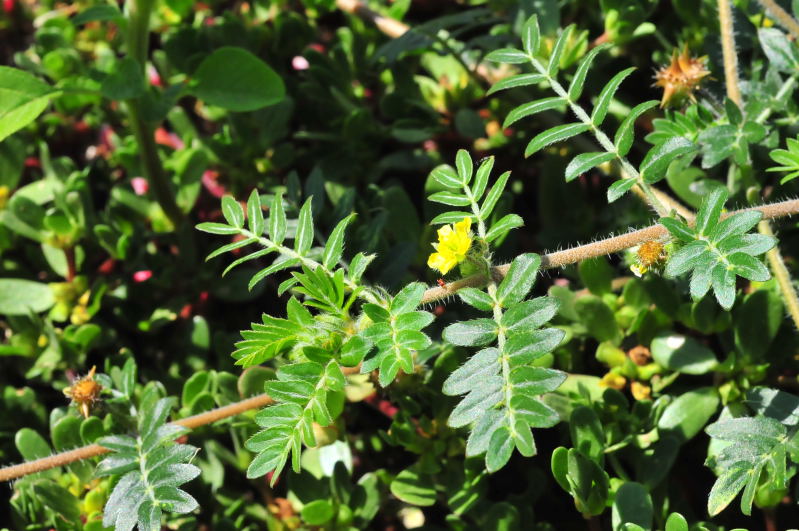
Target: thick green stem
<point>138,35</point>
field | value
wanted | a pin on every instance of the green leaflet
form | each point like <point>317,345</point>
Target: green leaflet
<point>619,188</point>
<point>152,468</point>
<point>758,444</point>
<point>481,178</point>
<point>653,167</point>
<point>626,131</point>
<point>558,133</point>
<point>584,162</point>
<point>508,55</point>
<point>277,220</point>
<point>528,109</point>
<point>232,211</point>
<point>557,51</point>
<point>501,389</point>
<point>499,229</point>
<point>531,36</point>
<point>519,279</point>
<point>24,97</point>
<point>493,195</point>
<point>788,159</point>
<point>576,87</point>
<point>446,176</point>
<point>396,334</point>
<point>518,80</point>
<point>334,247</point>
<point>463,162</point>
<point>718,250</point>
<point>605,97</point>
<point>304,236</point>
<point>255,215</point>
<point>302,391</point>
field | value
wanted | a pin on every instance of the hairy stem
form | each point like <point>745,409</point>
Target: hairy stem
<point>780,272</point>
<point>548,261</point>
<point>93,450</point>
<point>137,42</point>
<point>598,248</point>
<point>728,49</point>
<point>781,16</point>
<point>774,258</point>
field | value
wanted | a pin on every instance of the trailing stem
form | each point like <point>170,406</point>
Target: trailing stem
<point>728,49</point>
<point>598,248</point>
<point>781,273</point>
<point>548,261</point>
<point>773,256</point>
<point>93,450</point>
<point>781,16</point>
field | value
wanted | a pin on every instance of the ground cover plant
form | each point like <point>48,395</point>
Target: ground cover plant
<point>327,264</point>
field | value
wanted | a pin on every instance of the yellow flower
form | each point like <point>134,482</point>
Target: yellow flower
<point>453,244</point>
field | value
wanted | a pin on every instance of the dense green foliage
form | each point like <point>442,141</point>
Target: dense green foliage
<point>225,211</point>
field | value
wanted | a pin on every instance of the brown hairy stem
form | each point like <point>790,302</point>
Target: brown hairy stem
<point>728,50</point>
<point>93,450</point>
<point>784,18</point>
<point>548,261</point>
<point>773,257</point>
<point>598,248</point>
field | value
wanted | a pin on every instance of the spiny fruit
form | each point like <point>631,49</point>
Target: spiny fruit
<point>681,77</point>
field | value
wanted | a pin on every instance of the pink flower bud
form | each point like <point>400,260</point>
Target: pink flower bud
<point>299,63</point>
<point>154,76</point>
<point>142,276</point>
<point>140,185</point>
